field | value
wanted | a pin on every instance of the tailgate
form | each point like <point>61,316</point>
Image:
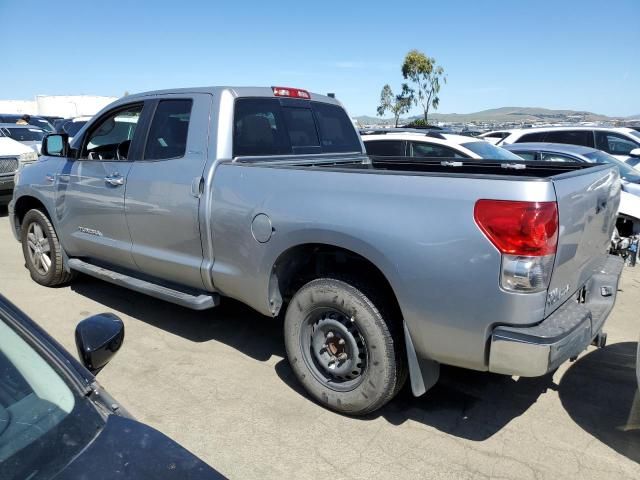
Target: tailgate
<point>587,206</point>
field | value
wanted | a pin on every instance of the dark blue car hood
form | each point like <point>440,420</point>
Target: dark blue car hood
<point>126,449</point>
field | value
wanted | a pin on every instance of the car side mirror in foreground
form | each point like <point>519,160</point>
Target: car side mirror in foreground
<point>55,145</point>
<point>635,152</point>
<point>98,339</point>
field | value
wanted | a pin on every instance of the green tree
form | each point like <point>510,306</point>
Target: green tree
<point>427,77</point>
<point>396,104</point>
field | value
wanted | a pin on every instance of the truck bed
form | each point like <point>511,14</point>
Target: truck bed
<point>414,219</point>
<point>412,165</point>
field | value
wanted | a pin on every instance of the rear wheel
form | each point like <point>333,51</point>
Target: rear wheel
<point>42,251</point>
<point>343,350</point>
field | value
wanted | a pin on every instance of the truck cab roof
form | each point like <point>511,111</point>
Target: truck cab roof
<point>235,91</point>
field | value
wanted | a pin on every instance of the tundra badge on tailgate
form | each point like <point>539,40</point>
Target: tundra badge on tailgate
<point>556,294</point>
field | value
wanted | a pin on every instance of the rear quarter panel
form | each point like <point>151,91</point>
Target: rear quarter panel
<point>419,230</point>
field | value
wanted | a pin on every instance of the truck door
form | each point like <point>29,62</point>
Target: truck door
<point>163,190</point>
<point>91,188</point>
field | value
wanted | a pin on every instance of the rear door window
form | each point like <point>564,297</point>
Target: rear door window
<point>614,143</point>
<point>532,137</point>
<point>264,126</point>
<point>571,137</point>
<point>556,157</point>
<point>385,148</point>
<point>169,130</point>
<point>433,150</point>
<point>529,156</point>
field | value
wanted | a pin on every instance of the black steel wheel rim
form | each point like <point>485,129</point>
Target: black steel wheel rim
<point>334,349</point>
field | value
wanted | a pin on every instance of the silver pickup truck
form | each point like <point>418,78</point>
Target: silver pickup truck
<point>382,268</point>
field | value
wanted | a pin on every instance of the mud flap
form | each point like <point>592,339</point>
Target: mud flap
<point>424,373</point>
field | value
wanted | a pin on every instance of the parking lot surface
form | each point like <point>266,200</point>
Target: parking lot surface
<point>217,382</point>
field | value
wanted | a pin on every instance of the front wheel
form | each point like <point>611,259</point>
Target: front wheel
<point>346,354</point>
<point>42,251</point>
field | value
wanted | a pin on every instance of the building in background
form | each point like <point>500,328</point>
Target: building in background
<point>58,105</point>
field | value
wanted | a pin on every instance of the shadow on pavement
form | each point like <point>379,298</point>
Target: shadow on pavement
<point>231,323</point>
<point>600,393</point>
<point>464,403</point>
<point>4,211</point>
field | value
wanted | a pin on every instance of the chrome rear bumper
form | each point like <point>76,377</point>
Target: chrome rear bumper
<point>536,350</point>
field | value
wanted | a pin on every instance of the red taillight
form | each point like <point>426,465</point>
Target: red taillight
<point>290,92</point>
<point>519,228</point>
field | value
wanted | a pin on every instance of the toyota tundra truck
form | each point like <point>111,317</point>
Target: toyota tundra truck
<point>382,268</point>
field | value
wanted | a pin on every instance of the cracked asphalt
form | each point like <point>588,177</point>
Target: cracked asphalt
<point>217,382</point>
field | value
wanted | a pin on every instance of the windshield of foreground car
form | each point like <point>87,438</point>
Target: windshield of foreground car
<point>44,423</point>
<point>635,133</point>
<point>490,152</point>
<point>25,134</point>
<point>627,172</point>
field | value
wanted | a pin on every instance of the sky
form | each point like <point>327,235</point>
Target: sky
<point>571,54</point>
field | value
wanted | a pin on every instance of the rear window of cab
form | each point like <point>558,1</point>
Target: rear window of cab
<point>270,126</point>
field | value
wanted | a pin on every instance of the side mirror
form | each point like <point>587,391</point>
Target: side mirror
<point>98,339</point>
<point>55,145</point>
<point>635,152</point>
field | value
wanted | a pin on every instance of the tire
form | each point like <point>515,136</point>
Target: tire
<point>325,312</point>
<point>42,251</point>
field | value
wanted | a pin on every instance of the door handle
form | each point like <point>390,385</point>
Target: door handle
<point>115,179</point>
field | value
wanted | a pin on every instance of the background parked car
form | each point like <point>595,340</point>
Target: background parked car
<point>34,120</point>
<point>57,421</point>
<point>623,143</point>
<point>26,134</point>
<point>430,144</point>
<point>495,137</point>
<point>12,155</point>
<point>558,152</point>
<point>628,222</point>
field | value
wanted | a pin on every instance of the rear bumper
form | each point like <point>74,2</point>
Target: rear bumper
<point>534,351</point>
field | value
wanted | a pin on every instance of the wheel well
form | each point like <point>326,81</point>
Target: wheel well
<point>303,263</point>
<point>23,205</point>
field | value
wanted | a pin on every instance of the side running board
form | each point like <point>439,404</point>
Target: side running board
<point>195,301</point>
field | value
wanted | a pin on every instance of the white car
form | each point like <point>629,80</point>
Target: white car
<point>26,134</point>
<point>430,144</point>
<point>622,143</point>
<point>12,156</point>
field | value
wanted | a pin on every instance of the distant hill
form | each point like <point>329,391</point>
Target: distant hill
<point>504,114</point>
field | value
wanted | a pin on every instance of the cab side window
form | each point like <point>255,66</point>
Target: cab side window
<point>614,143</point>
<point>111,138</point>
<point>169,130</point>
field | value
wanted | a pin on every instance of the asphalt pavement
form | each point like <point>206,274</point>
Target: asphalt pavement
<point>218,383</point>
